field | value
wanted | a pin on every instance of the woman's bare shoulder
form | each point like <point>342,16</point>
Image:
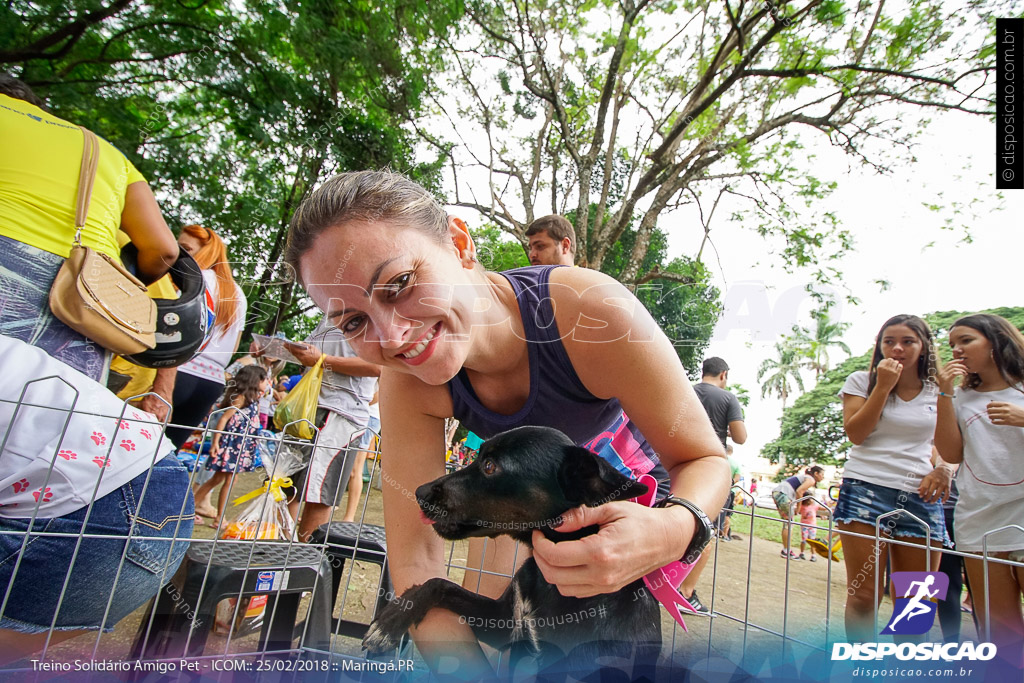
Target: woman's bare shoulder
<point>591,307</point>
<point>413,396</point>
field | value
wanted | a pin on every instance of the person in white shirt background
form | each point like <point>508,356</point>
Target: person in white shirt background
<point>982,426</point>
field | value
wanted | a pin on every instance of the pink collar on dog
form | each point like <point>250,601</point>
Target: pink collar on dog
<point>663,582</point>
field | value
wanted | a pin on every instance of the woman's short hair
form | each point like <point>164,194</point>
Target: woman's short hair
<point>363,196</point>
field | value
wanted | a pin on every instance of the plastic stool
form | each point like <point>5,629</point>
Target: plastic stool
<point>231,570</point>
<point>352,541</point>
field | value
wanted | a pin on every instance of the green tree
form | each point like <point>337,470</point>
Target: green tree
<point>814,344</point>
<point>812,429</point>
<point>685,311</point>
<point>785,373</point>
<point>677,293</point>
<point>235,112</point>
<point>741,393</point>
<point>641,107</point>
<point>497,251</point>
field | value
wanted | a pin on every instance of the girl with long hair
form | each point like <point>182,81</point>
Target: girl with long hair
<point>981,424</point>
<point>889,416</point>
<point>235,444</point>
<point>201,381</point>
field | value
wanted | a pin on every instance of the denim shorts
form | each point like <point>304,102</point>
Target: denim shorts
<point>373,430</point>
<point>26,274</point>
<point>861,501</point>
<point>163,529</point>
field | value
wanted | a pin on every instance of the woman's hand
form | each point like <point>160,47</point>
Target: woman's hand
<point>633,541</point>
<point>152,404</point>
<point>1005,414</point>
<point>888,374</point>
<point>307,354</point>
<point>936,484</point>
<point>948,373</point>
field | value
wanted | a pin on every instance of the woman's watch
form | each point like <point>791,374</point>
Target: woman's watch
<point>703,532</point>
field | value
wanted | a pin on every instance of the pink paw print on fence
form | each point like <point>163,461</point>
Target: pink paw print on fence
<point>127,444</point>
<point>68,455</point>
<point>146,433</point>
<point>98,438</point>
<point>20,486</point>
<point>101,461</point>
<point>123,424</point>
<point>46,493</point>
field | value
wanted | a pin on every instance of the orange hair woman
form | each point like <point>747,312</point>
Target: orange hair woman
<point>201,381</point>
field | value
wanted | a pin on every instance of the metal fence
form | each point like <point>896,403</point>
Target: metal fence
<point>765,609</point>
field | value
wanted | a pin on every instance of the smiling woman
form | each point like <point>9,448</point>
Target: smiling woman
<point>561,347</point>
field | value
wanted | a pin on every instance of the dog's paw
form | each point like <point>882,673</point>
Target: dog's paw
<point>377,640</point>
<point>387,629</point>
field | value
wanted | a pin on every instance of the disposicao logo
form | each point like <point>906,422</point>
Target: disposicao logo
<point>915,597</point>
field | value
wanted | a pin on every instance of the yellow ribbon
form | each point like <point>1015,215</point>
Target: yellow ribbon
<point>274,487</point>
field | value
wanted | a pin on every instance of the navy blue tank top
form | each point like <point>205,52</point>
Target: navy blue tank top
<point>557,397</point>
<point>796,481</point>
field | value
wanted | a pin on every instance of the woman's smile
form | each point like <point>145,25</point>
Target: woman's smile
<point>421,350</point>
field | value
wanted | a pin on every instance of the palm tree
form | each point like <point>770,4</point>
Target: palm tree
<point>785,372</point>
<point>814,347</point>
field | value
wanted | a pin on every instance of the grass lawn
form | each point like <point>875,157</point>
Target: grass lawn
<point>768,525</point>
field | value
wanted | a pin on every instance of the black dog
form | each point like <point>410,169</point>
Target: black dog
<point>526,479</point>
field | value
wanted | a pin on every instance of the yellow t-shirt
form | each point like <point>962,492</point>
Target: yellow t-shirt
<point>39,182</point>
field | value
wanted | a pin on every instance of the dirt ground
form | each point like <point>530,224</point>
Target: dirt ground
<point>759,599</point>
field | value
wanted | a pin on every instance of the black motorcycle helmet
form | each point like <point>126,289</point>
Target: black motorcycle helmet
<point>183,325</point>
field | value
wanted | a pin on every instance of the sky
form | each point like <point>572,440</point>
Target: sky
<point>954,157</point>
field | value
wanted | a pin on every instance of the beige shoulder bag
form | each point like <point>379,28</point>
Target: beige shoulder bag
<point>94,294</point>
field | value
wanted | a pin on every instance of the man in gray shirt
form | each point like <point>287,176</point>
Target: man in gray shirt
<point>342,415</point>
<point>723,409</point>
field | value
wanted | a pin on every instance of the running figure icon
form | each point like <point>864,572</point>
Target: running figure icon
<point>918,591</point>
<point>914,607</point>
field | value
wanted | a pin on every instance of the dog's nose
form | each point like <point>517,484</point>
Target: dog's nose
<point>429,493</point>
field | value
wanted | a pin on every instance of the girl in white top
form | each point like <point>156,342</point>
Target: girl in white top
<point>889,415</point>
<point>201,381</point>
<point>983,427</point>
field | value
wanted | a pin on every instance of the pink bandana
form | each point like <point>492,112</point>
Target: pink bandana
<point>663,582</point>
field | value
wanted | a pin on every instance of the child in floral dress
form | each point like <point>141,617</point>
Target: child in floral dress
<point>235,444</point>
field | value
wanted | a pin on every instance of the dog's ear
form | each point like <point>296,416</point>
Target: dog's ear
<point>588,479</point>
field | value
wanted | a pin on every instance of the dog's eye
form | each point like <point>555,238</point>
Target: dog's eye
<point>488,467</point>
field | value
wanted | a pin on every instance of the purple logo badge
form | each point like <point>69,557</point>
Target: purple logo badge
<point>915,595</point>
